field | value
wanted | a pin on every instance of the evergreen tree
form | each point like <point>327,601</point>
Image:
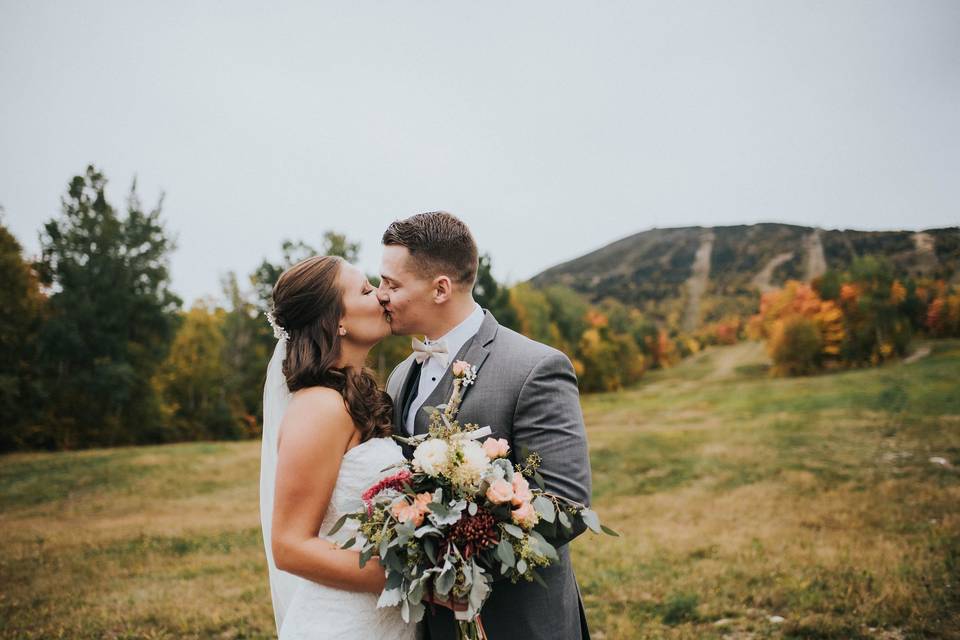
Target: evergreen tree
<point>491,295</point>
<point>111,316</point>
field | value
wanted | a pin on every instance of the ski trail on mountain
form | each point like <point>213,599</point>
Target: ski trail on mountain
<point>762,280</point>
<point>926,261</point>
<point>816,262</point>
<point>698,280</point>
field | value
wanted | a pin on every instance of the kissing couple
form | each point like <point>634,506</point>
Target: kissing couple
<point>328,431</point>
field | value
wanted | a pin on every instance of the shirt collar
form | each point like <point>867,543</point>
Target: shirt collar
<point>458,336</point>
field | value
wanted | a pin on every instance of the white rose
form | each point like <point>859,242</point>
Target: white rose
<point>431,456</point>
<point>473,464</point>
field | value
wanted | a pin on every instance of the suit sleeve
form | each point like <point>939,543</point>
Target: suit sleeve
<point>549,421</point>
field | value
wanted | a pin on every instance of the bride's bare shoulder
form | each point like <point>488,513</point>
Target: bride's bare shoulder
<point>318,408</point>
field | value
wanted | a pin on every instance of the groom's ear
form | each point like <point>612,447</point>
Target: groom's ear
<point>442,289</point>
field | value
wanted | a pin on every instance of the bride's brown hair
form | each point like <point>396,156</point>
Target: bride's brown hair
<point>308,304</point>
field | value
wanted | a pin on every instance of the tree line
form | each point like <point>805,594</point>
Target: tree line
<point>97,350</point>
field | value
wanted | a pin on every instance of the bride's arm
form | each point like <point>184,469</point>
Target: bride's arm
<point>315,432</point>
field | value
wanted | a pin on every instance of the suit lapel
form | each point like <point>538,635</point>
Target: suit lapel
<point>475,352</point>
<point>401,394</point>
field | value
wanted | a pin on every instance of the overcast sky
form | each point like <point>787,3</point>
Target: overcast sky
<point>552,128</point>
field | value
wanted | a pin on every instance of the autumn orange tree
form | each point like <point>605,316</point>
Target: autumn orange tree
<point>942,317</point>
<point>803,331</point>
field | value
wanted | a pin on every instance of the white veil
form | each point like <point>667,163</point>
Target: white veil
<point>276,397</point>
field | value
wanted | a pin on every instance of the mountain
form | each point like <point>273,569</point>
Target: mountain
<point>691,275</point>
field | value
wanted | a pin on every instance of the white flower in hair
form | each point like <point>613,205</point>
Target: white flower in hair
<point>278,332</point>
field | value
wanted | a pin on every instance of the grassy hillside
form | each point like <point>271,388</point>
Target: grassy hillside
<point>740,498</point>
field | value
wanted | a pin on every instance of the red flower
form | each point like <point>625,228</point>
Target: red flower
<point>396,481</point>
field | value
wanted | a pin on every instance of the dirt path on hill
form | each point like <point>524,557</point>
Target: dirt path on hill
<point>727,359</point>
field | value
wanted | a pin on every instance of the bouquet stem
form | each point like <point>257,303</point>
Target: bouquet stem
<point>471,630</point>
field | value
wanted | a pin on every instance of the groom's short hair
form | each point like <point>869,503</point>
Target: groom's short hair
<point>439,243</point>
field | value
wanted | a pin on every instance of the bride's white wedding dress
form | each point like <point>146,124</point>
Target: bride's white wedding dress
<point>317,612</point>
<point>305,610</point>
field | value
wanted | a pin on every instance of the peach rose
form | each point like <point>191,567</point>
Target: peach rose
<point>406,512</point>
<point>525,515</point>
<point>460,367</point>
<point>521,490</point>
<point>500,491</point>
<point>496,448</point>
<point>414,513</point>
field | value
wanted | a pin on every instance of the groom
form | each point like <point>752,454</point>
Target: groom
<point>525,391</point>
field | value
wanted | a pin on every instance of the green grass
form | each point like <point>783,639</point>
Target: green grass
<point>738,496</point>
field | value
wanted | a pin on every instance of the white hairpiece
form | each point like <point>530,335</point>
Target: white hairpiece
<point>278,332</point>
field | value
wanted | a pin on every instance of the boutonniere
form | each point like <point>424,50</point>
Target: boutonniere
<point>464,375</point>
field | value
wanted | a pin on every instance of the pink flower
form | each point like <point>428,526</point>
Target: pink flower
<point>521,490</point>
<point>496,448</point>
<point>500,491</point>
<point>406,512</point>
<point>403,511</point>
<point>525,515</point>
<point>460,367</point>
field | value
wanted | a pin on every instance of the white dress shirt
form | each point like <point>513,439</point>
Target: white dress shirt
<point>432,370</point>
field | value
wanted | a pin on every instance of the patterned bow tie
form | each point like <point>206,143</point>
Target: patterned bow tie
<point>422,352</point>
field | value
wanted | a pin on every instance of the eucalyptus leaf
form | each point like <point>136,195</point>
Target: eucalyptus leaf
<point>513,530</point>
<point>522,566</point>
<point>544,507</point>
<point>365,556</point>
<point>416,591</point>
<point>446,580</point>
<point>610,532</point>
<point>394,580</point>
<point>430,547</point>
<point>592,520</point>
<point>537,478</point>
<point>393,561</point>
<point>338,524</point>
<point>505,553</point>
<point>545,548</point>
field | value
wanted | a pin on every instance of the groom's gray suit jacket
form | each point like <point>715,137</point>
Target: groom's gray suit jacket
<point>527,393</point>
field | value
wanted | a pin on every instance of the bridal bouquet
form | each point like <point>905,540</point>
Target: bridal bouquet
<point>459,514</point>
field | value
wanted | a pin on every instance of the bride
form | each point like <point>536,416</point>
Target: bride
<point>326,438</point>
